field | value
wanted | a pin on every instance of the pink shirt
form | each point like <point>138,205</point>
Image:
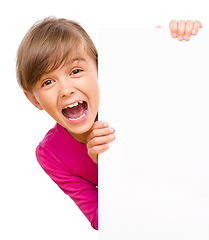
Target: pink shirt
<point>67,163</point>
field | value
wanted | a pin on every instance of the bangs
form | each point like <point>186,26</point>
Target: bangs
<point>54,49</point>
<point>58,57</point>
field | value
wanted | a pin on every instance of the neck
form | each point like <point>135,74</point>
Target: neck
<point>82,138</point>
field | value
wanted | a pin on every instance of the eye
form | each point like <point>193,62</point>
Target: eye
<point>47,82</point>
<point>76,71</point>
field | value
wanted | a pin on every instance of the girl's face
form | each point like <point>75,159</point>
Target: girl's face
<point>70,95</point>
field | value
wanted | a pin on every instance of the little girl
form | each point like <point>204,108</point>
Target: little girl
<point>57,69</point>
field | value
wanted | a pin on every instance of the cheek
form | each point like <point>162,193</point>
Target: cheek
<point>47,102</point>
<point>95,91</point>
<point>92,92</point>
<point>94,83</point>
<point>96,100</point>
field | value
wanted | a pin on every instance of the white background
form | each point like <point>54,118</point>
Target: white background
<point>32,206</point>
<point>154,181</point>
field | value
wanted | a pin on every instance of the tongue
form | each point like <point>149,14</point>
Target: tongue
<point>75,112</point>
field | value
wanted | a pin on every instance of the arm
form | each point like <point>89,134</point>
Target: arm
<point>82,192</point>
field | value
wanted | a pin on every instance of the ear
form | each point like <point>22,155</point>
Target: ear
<point>33,100</point>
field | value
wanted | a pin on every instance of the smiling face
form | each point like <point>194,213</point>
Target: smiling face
<point>70,94</point>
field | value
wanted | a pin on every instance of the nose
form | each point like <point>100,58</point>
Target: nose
<point>66,88</point>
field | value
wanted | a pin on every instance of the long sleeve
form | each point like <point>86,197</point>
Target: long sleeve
<point>84,193</point>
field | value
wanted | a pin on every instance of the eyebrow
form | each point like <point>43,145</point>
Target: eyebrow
<point>71,61</point>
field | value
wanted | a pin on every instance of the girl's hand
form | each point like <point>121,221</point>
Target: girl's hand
<point>99,138</point>
<point>183,30</point>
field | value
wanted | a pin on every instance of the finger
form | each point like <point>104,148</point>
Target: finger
<point>158,27</point>
<point>93,152</point>
<point>181,30</point>
<point>188,30</point>
<point>173,28</point>
<point>102,140</point>
<point>197,25</point>
<point>100,132</point>
<point>99,124</point>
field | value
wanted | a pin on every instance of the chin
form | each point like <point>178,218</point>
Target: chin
<point>80,128</point>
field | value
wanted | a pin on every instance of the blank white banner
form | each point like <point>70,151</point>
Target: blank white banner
<point>154,179</point>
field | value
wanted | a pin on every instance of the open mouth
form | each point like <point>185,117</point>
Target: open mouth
<point>75,111</point>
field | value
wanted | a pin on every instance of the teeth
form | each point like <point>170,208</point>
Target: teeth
<point>75,119</point>
<point>73,105</point>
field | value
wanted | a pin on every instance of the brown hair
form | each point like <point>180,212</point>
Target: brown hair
<point>45,47</point>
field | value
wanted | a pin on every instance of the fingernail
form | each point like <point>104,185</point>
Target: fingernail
<point>111,130</point>
<point>106,124</point>
<point>194,31</point>
<point>180,37</point>
<point>186,37</point>
<point>174,35</point>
